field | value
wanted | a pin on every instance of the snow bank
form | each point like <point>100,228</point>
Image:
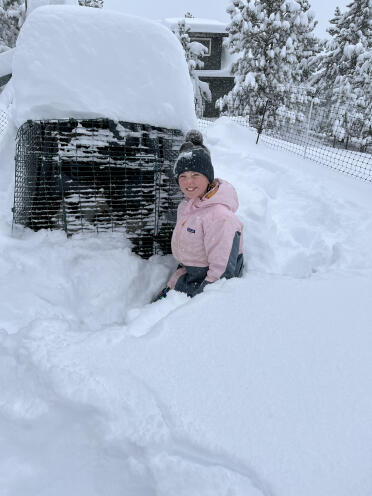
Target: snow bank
<point>258,387</point>
<point>6,59</point>
<point>85,62</point>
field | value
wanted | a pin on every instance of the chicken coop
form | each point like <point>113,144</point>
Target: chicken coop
<point>98,175</point>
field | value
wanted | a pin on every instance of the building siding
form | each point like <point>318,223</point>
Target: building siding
<point>213,61</point>
<point>219,87</point>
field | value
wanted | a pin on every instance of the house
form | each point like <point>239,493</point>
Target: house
<point>217,61</point>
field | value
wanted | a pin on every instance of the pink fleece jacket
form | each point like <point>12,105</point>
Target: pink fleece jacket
<point>205,230</point>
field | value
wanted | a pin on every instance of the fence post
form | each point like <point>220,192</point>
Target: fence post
<point>308,127</point>
<point>259,130</point>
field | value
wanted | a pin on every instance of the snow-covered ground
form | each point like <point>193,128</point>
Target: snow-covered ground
<point>259,386</point>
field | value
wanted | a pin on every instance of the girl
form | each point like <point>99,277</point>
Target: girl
<point>207,240</point>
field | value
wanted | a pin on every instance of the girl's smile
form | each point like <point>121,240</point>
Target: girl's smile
<point>193,184</point>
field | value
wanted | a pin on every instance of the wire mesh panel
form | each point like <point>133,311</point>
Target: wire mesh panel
<point>98,175</point>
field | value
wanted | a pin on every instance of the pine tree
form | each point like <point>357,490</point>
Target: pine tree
<point>345,78</point>
<point>309,46</point>
<point>310,63</point>
<point>333,29</point>
<point>194,52</point>
<point>91,3</point>
<point>270,39</point>
<point>324,63</point>
<point>12,14</point>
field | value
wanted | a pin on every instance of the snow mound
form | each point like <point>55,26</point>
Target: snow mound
<point>84,62</point>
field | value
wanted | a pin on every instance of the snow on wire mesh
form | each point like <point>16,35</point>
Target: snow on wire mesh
<point>333,135</point>
<point>97,175</point>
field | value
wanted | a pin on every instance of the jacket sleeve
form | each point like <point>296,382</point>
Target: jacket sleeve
<point>222,241</point>
<point>175,276</point>
<point>180,269</point>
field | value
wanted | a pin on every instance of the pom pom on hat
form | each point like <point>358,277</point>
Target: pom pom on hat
<point>194,136</point>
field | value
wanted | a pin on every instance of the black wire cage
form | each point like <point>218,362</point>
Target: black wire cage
<point>97,175</point>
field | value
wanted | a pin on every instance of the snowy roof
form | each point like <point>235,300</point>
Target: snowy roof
<point>6,62</point>
<point>83,62</point>
<point>197,25</point>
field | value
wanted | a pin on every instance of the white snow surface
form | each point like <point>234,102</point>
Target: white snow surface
<point>6,59</point>
<point>260,386</point>
<point>85,62</point>
<point>197,24</point>
<point>34,4</point>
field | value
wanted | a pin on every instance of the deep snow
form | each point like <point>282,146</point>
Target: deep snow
<point>259,386</point>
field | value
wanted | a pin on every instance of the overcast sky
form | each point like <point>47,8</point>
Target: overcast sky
<point>211,9</point>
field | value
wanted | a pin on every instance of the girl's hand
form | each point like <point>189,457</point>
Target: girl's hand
<point>161,295</point>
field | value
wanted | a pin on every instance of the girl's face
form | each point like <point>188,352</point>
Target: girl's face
<point>193,184</point>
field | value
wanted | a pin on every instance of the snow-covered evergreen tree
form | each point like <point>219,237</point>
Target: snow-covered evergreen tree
<point>91,3</point>
<point>12,14</point>
<point>323,64</point>
<point>194,52</point>
<point>271,39</point>
<point>309,46</point>
<point>346,74</point>
<point>310,63</point>
<point>334,29</point>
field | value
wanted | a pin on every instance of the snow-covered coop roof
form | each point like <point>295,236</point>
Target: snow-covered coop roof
<point>34,4</point>
<point>197,25</point>
<point>82,62</point>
